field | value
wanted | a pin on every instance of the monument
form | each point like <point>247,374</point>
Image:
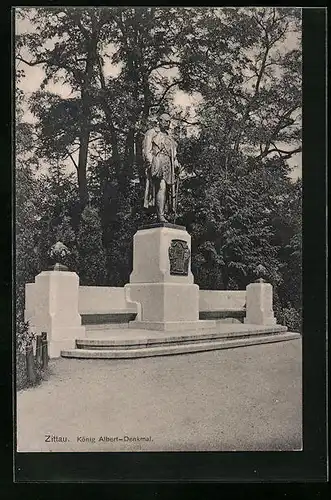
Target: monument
<point>161,279</point>
<point>161,310</point>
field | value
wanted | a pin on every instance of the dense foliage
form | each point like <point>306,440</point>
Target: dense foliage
<point>123,65</point>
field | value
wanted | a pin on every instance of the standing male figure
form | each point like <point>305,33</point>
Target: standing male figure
<point>160,154</point>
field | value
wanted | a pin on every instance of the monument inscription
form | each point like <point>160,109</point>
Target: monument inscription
<point>179,257</point>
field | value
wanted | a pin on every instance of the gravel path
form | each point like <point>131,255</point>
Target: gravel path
<point>238,399</point>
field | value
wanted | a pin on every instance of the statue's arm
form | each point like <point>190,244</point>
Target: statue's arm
<point>147,146</point>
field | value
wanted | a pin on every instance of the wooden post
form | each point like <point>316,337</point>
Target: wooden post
<point>39,349</point>
<point>30,364</point>
<point>44,350</point>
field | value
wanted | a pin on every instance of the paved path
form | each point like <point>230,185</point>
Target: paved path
<point>238,399</point>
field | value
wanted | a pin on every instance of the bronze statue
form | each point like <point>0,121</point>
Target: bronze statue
<point>162,168</point>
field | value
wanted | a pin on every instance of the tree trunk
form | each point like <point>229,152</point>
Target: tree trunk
<point>129,159</point>
<point>140,135</point>
<point>225,278</point>
<point>81,175</point>
<point>84,137</point>
<point>83,146</point>
<point>109,118</point>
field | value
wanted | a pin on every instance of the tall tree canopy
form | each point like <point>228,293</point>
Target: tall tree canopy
<point>122,66</point>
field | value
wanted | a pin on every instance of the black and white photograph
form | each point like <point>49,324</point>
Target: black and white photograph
<point>158,229</point>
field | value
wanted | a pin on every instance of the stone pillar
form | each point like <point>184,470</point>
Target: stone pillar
<point>259,308</point>
<point>52,307</point>
<point>161,280</point>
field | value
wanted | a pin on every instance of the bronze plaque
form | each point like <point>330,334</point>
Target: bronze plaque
<point>179,256</point>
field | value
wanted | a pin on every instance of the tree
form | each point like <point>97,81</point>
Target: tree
<point>289,233</point>
<point>230,218</point>
<point>26,207</point>
<point>91,262</point>
<point>58,207</point>
<point>72,58</point>
<point>72,45</point>
<point>26,215</point>
<point>250,81</point>
<point>236,202</point>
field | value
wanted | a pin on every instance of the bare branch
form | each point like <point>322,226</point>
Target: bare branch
<point>191,124</point>
<point>293,151</point>
<point>164,64</point>
<point>70,153</point>
<point>285,154</point>
<point>173,84</point>
<point>73,160</point>
<point>273,16</point>
<point>281,125</point>
<point>281,34</point>
<point>31,63</point>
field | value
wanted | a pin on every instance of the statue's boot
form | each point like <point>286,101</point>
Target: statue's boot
<point>160,215</point>
<point>160,207</point>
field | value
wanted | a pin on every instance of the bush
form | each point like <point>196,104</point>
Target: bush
<point>290,317</point>
<point>21,373</point>
<point>24,338</point>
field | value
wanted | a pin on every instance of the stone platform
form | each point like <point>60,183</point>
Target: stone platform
<point>139,343</point>
<point>161,311</point>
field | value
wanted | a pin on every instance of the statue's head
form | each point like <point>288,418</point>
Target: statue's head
<point>164,121</point>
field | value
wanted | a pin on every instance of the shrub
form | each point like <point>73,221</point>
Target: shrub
<point>290,317</point>
<point>24,338</point>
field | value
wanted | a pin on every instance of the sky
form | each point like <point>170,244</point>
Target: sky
<point>35,74</point>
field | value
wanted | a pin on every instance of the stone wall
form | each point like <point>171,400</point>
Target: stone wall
<point>101,299</point>
<point>219,300</point>
<point>105,299</point>
<point>55,304</point>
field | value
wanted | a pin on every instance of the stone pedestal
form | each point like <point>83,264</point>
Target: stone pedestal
<point>151,254</point>
<point>259,308</point>
<point>52,307</point>
<point>162,281</point>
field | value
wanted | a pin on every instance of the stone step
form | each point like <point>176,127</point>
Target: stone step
<point>168,350</point>
<point>106,329</point>
<point>143,340</point>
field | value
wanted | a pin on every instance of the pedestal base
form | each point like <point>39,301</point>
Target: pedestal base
<point>161,280</point>
<point>166,302</point>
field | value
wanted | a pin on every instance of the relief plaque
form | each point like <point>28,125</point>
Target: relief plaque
<point>179,256</point>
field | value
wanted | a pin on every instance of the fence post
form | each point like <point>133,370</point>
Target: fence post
<point>44,347</point>
<point>30,364</point>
